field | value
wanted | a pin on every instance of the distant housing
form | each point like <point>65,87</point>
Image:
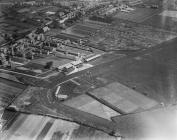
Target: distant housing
<point>30,2</point>
<point>26,2</point>
<point>134,2</point>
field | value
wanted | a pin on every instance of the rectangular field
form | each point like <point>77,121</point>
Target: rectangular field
<point>126,100</point>
<point>86,104</point>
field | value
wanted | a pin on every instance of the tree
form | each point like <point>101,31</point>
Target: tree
<point>48,65</point>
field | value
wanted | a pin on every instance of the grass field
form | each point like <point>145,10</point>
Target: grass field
<point>126,35</point>
<point>167,23</point>
<point>138,15</point>
<point>86,104</point>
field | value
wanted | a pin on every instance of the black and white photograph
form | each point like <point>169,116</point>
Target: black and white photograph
<point>88,69</point>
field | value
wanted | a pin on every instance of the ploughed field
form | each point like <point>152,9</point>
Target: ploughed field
<point>8,91</point>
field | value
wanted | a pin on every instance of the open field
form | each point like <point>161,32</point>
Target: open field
<point>85,28</point>
<point>57,61</point>
<point>123,99</point>
<point>163,22</point>
<point>68,36</point>
<point>9,90</point>
<point>125,35</point>
<point>86,104</point>
<point>41,103</point>
<point>138,15</point>
<point>151,72</point>
<point>44,128</point>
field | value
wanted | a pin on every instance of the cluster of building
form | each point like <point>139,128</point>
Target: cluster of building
<point>46,13</point>
<point>106,11</point>
<point>63,15</point>
<point>134,2</point>
<point>31,2</point>
<point>36,45</point>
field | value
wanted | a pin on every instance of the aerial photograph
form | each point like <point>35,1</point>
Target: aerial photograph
<point>88,69</point>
